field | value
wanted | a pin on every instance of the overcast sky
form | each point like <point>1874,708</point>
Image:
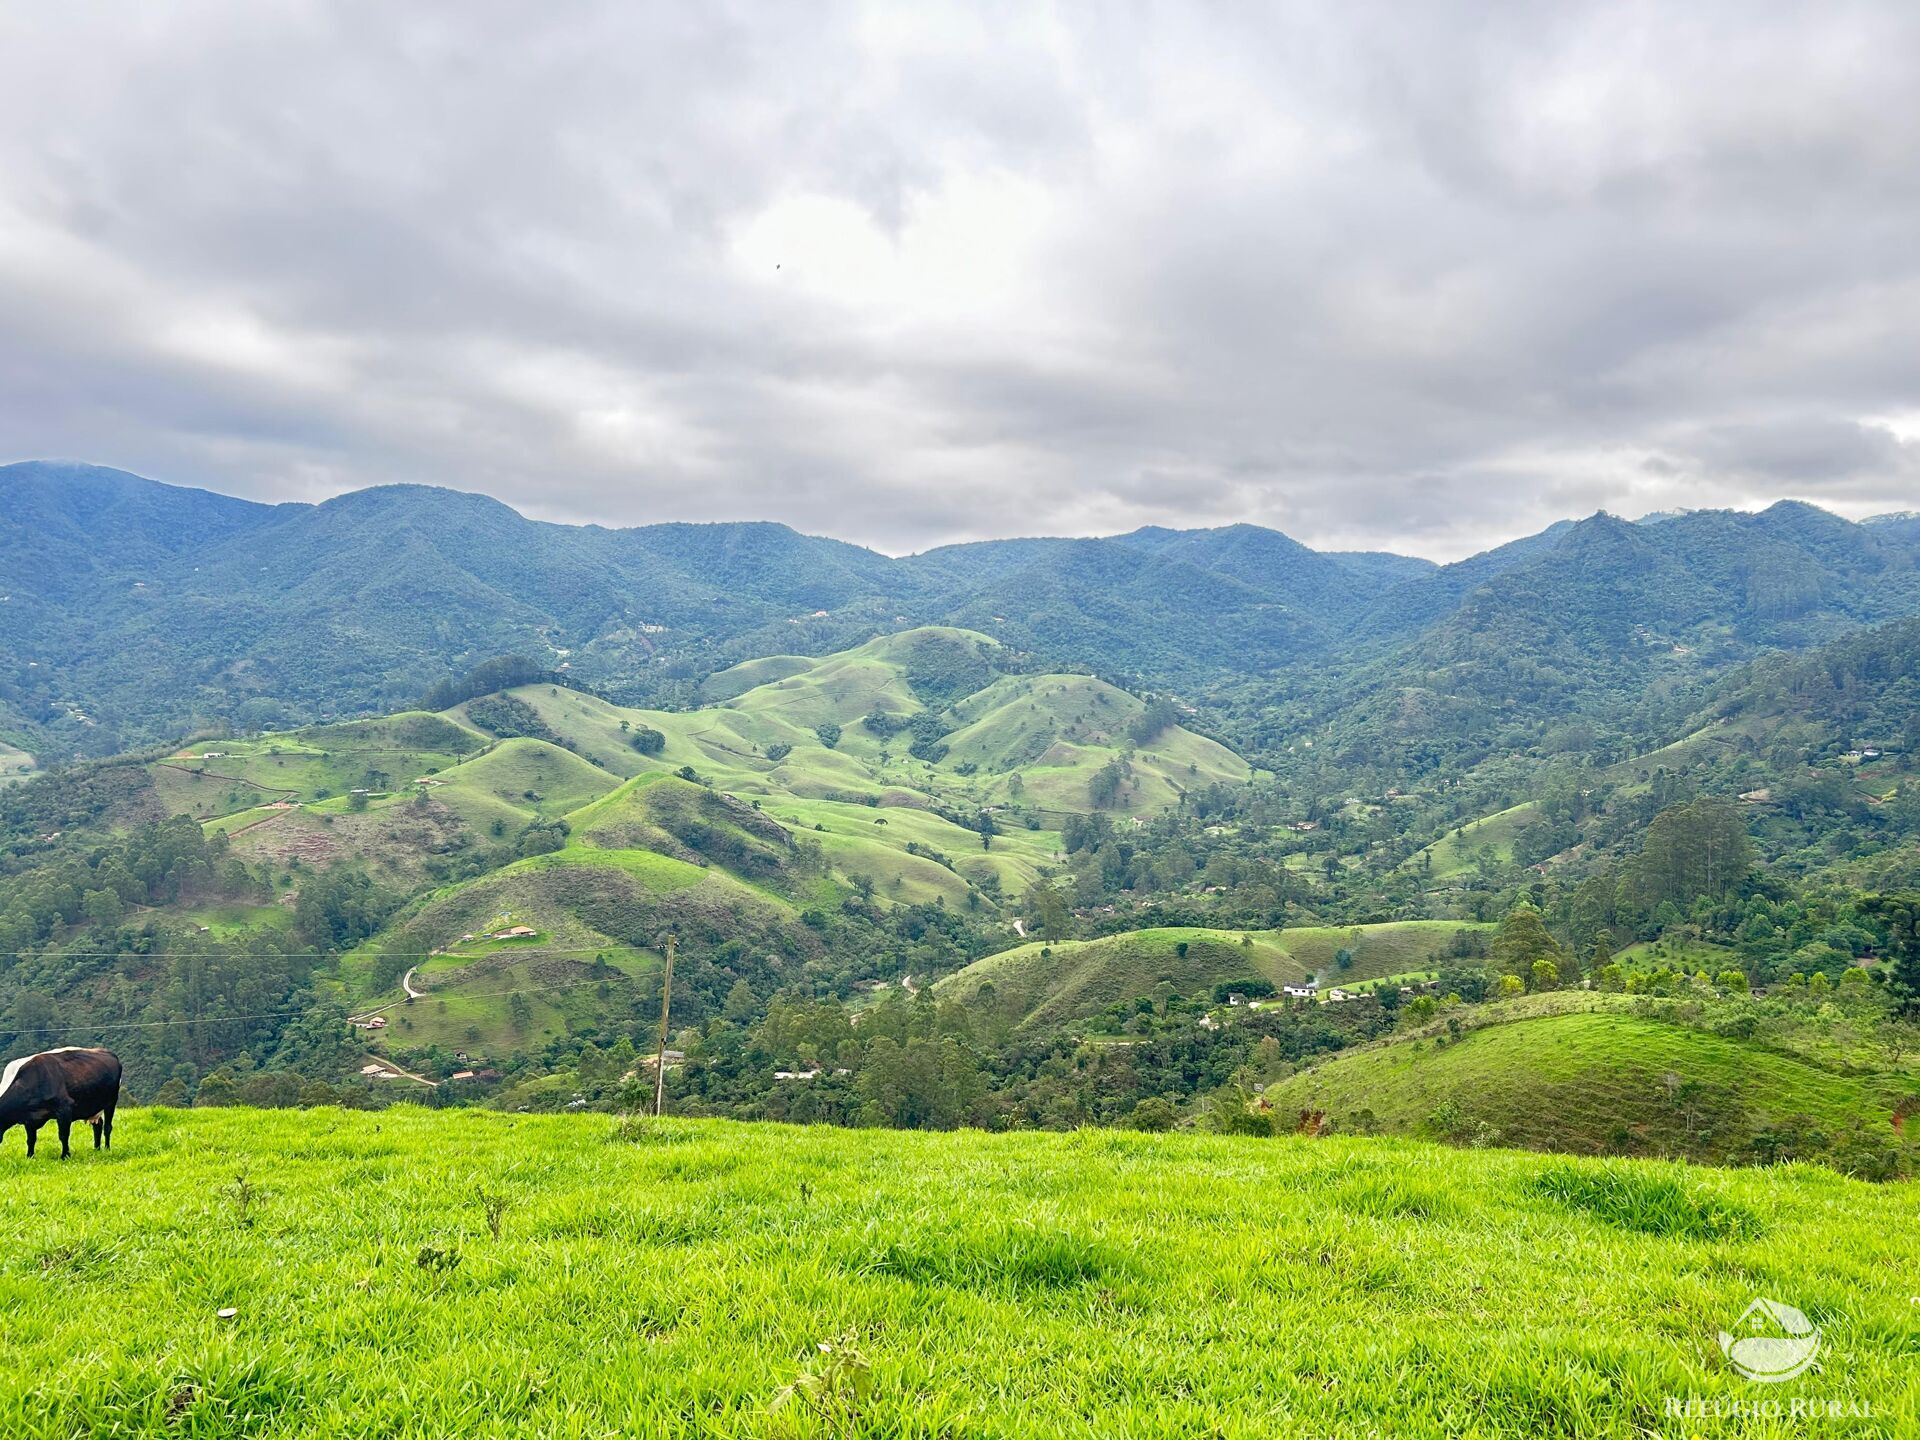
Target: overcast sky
<point>1421,276</point>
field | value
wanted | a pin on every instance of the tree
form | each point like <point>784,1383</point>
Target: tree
<point>1048,911</point>
<point>1900,915</point>
<point>1104,788</point>
<point>647,740</point>
<point>741,1003</point>
<point>1159,716</point>
<point>218,1088</point>
<point>103,907</point>
<point>1544,974</point>
<point>1153,1113</point>
<point>1693,850</point>
<point>172,1095</point>
<point>828,734</point>
<point>1523,940</point>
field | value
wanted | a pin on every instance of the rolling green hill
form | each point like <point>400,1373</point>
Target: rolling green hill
<point>1601,1081</point>
<point>617,847</point>
<point>419,1272</point>
<point>1038,986</point>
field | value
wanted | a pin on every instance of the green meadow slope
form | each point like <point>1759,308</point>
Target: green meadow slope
<point>1039,986</point>
<point>1602,1081</point>
<point>927,767</point>
<point>15,763</point>
<point>418,1274</point>
<point>536,809</point>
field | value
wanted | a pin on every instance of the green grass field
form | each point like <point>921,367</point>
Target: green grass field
<point>705,1278</point>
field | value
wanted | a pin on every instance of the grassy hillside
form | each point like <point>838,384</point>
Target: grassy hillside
<point>520,778</point>
<point>15,763</point>
<point>1602,1082</point>
<point>700,1278</point>
<point>1052,732</point>
<point>1038,985</point>
<point>538,804</point>
<point>777,819</point>
<point>1456,852</point>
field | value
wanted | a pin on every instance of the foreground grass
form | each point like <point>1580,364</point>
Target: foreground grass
<point>683,1281</point>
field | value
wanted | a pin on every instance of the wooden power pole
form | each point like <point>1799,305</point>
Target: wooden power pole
<point>660,1061</point>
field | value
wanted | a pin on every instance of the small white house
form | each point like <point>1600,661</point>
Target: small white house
<point>1298,992</point>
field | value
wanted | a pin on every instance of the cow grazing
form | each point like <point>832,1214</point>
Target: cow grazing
<point>63,1086</point>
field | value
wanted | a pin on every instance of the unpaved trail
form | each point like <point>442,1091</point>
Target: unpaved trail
<point>406,984</point>
<point>236,779</point>
<point>408,1074</point>
<point>256,824</point>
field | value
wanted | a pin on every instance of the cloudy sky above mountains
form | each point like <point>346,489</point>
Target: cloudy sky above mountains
<point>1420,276</point>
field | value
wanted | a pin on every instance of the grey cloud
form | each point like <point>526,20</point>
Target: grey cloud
<point>1420,277</point>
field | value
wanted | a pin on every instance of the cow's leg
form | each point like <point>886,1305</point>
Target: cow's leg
<point>98,1123</point>
<point>106,1125</point>
<point>33,1134</point>
<point>65,1123</point>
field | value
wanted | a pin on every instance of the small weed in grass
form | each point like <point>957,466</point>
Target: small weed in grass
<point>243,1195</point>
<point>494,1205</point>
<point>835,1388</point>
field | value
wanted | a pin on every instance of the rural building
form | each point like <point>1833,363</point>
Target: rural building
<point>514,932</point>
<point>1298,992</point>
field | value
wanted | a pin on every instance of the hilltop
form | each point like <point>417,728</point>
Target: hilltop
<point>771,1280</point>
<point>1596,1074</point>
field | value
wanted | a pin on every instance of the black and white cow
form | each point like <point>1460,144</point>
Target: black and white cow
<point>62,1085</point>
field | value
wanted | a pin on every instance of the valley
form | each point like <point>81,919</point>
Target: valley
<point>953,875</point>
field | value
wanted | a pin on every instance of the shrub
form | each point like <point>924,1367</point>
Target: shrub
<point>1153,1113</point>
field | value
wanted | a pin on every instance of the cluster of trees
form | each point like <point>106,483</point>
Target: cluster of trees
<point>503,672</point>
<point>509,717</point>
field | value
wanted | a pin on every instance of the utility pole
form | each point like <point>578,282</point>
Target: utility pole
<point>660,1062</point>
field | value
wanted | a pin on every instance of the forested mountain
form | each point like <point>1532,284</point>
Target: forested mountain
<point>136,610</point>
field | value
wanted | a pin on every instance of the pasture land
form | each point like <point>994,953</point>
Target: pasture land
<point>417,1275</point>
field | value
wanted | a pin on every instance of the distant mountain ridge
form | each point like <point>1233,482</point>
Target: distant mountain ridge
<point>134,608</point>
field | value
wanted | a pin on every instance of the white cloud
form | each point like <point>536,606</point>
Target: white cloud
<point>1426,277</point>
